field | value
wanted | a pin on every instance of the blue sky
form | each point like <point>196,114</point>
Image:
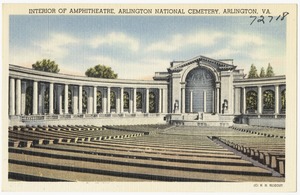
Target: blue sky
<point>138,46</point>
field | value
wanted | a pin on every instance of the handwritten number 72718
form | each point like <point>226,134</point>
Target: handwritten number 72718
<point>264,19</point>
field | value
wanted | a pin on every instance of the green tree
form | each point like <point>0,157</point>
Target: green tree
<point>253,72</point>
<point>46,65</point>
<point>270,72</point>
<point>262,72</point>
<point>101,71</point>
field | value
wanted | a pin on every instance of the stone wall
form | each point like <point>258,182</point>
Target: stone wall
<point>267,122</point>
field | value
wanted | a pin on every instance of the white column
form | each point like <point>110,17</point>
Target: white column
<point>104,101</point>
<point>204,101</point>
<point>108,99</point>
<point>237,102</point>
<point>66,99</point>
<point>165,101</point>
<point>90,100</point>
<point>75,100</point>
<point>23,98</point>
<point>159,100</point>
<point>12,97</point>
<point>277,99</point>
<point>121,99</point>
<point>259,101</point>
<point>213,101</point>
<point>95,100</point>
<point>59,99</point>
<point>218,100</point>
<point>244,101</point>
<point>182,100</point>
<point>191,101</point>
<point>80,99</point>
<point>35,97</point>
<point>147,101</point>
<point>131,101</point>
<point>134,101</point>
<point>51,94</point>
<point>18,97</point>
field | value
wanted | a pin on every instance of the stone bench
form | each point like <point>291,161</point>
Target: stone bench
<point>149,172</point>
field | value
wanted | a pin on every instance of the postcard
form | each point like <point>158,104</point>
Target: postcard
<point>149,97</point>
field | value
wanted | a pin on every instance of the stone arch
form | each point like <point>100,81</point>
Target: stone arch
<point>195,65</point>
<point>251,101</point>
<point>200,86</point>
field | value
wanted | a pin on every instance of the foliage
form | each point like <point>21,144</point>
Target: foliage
<point>99,101</point>
<point>251,100</point>
<point>253,72</point>
<point>125,100</point>
<point>262,72</point>
<point>269,100</point>
<point>270,72</point>
<point>101,71</point>
<point>139,101</point>
<point>84,101</point>
<point>28,105</point>
<point>152,103</point>
<point>46,65</point>
<point>283,100</point>
<point>46,99</point>
<point>112,100</point>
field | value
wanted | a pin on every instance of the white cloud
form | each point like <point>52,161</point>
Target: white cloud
<point>180,41</point>
<point>242,40</point>
<point>222,53</point>
<point>56,46</point>
<point>115,39</point>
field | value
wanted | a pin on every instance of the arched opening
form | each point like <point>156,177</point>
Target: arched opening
<point>199,91</point>
<point>139,101</point>
<point>84,101</point>
<point>251,102</point>
<point>268,101</point>
<point>125,100</point>
<point>152,102</point>
<point>112,101</point>
<point>283,102</point>
<point>99,101</point>
<point>46,100</point>
<point>29,101</point>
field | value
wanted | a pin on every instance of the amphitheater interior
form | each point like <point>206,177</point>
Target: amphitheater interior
<point>161,152</point>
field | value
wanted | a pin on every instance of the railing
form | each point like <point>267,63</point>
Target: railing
<point>81,116</point>
<point>33,117</point>
<point>264,115</point>
<point>51,117</point>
